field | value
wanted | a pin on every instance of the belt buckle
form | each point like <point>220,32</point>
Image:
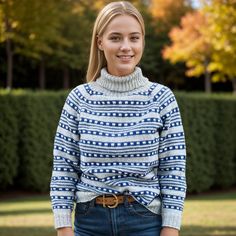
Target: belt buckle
<point>110,206</point>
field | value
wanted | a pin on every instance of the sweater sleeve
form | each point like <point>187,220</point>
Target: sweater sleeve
<point>172,158</point>
<point>66,157</point>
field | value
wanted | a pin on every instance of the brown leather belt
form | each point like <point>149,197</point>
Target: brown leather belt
<point>113,200</point>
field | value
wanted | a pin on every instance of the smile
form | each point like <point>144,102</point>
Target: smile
<point>125,57</point>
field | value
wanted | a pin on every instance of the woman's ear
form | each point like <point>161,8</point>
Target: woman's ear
<point>99,42</point>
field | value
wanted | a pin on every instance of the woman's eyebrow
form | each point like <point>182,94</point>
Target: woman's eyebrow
<point>117,33</point>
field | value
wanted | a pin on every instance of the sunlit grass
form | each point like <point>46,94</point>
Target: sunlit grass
<point>213,214</point>
<point>208,215</point>
<point>26,217</point>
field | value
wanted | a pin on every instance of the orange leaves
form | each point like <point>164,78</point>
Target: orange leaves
<point>160,9</point>
<point>168,12</point>
<point>189,44</point>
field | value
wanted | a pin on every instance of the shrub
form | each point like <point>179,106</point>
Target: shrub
<point>37,128</point>
<point>9,160</point>
<point>224,150</point>
<point>197,121</point>
<point>28,122</point>
<point>210,128</point>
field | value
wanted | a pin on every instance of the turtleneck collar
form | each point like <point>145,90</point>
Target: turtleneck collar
<point>122,83</point>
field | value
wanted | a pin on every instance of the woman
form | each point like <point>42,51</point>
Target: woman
<point>119,150</point>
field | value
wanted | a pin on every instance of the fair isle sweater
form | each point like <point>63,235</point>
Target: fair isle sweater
<point>116,135</point>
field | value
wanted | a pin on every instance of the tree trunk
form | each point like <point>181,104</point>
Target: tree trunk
<point>207,81</point>
<point>42,74</point>
<point>9,53</point>
<point>66,78</point>
<point>234,85</point>
<point>9,64</point>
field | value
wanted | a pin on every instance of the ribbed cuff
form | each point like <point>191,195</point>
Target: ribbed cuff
<point>62,218</point>
<point>171,219</point>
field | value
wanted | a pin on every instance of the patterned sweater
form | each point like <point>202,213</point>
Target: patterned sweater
<point>116,135</point>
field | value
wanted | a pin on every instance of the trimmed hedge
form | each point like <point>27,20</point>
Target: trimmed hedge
<point>210,129</point>
<point>28,122</point>
<point>9,160</point>
<point>198,126</point>
<point>37,129</point>
<point>35,117</point>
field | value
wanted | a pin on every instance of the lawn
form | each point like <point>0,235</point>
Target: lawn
<point>205,215</point>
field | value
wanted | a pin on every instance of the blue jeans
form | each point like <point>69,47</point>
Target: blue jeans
<point>127,219</point>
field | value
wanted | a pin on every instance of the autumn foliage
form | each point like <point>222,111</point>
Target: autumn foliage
<point>54,35</point>
<point>206,42</point>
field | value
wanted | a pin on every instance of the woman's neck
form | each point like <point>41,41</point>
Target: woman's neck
<point>122,83</point>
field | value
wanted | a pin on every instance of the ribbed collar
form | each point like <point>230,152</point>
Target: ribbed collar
<point>123,83</point>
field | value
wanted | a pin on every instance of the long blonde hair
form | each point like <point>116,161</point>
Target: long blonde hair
<point>97,59</point>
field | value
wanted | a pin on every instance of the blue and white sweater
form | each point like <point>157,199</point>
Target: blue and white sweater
<point>120,134</point>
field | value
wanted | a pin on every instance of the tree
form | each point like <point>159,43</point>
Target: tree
<point>160,17</point>
<point>190,45</point>
<point>221,34</point>
<point>6,36</point>
<point>76,27</point>
<point>40,30</point>
<point>30,29</point>
<point>168,12</point>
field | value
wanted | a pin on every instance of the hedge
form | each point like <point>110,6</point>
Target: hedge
<point>210,129</point>
<point>28,122</point>
<point>9,160</point>
<point>37,126</point>
<point>28,157</point>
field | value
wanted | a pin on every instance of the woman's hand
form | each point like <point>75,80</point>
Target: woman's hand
<point>167,231</point>
<point>65,231</point>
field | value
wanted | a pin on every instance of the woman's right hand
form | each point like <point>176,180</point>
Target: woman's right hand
<point>65,231</point>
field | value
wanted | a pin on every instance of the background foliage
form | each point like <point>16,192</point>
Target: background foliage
<point>28,123</point>
<point>206,42</point>
<point>209,122</point>
<point>46,44</point>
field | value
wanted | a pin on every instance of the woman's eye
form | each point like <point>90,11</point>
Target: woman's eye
<point>135,38</point>
<point>115,38</point>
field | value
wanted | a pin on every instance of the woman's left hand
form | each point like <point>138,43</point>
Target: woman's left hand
<point>167,231</point>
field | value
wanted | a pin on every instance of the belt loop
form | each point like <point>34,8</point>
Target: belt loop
<point>103,200</point>
<point>126,194</point>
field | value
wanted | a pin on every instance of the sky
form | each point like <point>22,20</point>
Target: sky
<point>195,3</point>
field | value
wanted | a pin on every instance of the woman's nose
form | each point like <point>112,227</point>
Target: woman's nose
<point>125,45</point>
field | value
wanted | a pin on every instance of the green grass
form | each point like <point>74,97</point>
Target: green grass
<point>213,214</point>
<point>204,215</point>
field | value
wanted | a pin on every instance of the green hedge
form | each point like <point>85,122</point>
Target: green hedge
<point>28,122</point>
<point>38,122</point>
<point>9,160</point>
<point>210,129</point>
<point>28,150</point>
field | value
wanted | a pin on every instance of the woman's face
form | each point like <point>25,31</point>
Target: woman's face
<point>122,44</point>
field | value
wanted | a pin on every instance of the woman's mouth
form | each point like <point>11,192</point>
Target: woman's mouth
<point>125,57</point>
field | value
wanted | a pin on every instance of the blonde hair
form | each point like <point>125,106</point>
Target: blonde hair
<point>97,59</point>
